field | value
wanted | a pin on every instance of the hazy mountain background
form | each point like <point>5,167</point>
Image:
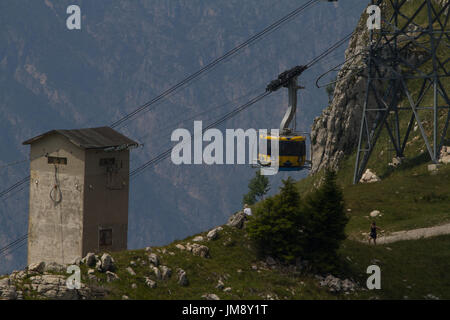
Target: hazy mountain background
<point>127,53</point>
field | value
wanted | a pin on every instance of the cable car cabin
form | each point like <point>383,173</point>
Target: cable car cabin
<point>292,152</point>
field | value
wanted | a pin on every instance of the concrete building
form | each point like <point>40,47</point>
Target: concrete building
<point>78,193</point>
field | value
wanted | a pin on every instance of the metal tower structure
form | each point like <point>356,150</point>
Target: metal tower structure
<point>404,63</point>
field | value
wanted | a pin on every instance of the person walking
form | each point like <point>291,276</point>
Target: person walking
<point>373,232</point>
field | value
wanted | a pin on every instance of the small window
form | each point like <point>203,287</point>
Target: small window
<point>105,237</point>
<point>107,162</point>
<point>57,160</point>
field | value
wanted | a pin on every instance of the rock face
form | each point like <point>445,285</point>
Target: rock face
<point>54,287</point>
<point>7,290</point>
<point>334,133</point>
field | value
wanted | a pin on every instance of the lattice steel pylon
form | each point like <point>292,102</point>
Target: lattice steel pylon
<point>404,63</point>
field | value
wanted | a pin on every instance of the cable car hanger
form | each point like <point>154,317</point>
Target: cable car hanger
<point>292,144</point>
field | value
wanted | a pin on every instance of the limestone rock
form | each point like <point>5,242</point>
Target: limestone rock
<point>220,285</point>
<point>37,267</point>
<point>166,272</point>
<point>433,167</point>
<point>157,273</point>
<point>445,159</point>
<point>237,220</point>
<point>369,177</point>
<point>180,246</point>
<point>375,213</point>
<point>89,260</point>
<point>150,283</point>
<point>54,287</point>
<point>111,276</point>
<point>182,278</point>
<point>107,262</point>
<point>210,296</point>
<point>213,234</point>
<point>131,271</point>
<point>7,290</point>
<point>54,267</point>
<point>198,239</point>
<point>200,250</point>
<point>153,259</point>
<point>337,285</point>
<point>76,261</point>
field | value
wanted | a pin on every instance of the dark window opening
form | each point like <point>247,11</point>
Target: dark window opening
<point>105,238</point>
<point>57,160</point>
<point>288,148</point>
<point>107,162</point>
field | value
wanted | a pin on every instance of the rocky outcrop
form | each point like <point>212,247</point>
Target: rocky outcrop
<point>337,285</point>
<point>237,220</point>
<point>335,133</point>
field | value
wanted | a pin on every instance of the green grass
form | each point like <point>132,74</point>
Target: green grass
<point>224,263</point>
<point>410,269</point>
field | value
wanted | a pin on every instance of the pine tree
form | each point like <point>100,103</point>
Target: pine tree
<point>258,188</point>
<point>276,226</point>
<point>326,221</point>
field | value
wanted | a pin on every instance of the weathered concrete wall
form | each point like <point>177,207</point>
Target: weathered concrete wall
<point>106,200</point>
<point>55,230</point>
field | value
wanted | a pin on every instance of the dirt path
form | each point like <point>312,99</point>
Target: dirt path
<point>415,234</point>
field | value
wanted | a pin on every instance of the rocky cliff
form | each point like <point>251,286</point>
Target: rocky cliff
<point>335,132</point>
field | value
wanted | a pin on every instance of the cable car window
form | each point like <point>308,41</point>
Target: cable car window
<point>57,160</point>
<point>106,162</point>
<point>292,148</point>
<point>105,237</point>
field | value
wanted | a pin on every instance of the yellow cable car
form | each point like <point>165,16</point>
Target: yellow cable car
<point>291,152</point>
<point>291,144</point>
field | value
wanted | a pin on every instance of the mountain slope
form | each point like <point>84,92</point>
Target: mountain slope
<point>127,53</point>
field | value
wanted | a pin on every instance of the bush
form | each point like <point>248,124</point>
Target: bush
<point>276,226</point>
